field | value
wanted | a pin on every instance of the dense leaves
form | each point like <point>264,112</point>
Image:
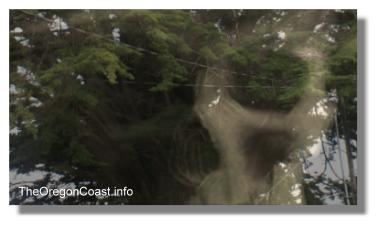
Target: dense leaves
<point>101,95</point>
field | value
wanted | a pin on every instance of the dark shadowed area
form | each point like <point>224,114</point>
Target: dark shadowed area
<point>184,106</point>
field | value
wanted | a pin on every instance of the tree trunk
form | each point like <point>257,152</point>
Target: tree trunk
<point>349,153</point>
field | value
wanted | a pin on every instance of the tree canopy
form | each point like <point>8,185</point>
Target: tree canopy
<point>104,97</point>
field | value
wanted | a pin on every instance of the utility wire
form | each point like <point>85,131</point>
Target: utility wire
<point>205,85</point>
<point>140,49</point>
<point>341,159</point>
<point>328,160</point>
<point>144,50</point>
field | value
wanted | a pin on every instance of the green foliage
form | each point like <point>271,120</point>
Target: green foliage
<point>280,80</point>
<point>94,61</point>
<point>171,71</point>
<point>127,102</point>
<point>81,156</point>
<point>208,54</point>
<point>90,62</point>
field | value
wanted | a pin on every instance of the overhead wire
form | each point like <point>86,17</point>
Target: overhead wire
<point>137,48</point>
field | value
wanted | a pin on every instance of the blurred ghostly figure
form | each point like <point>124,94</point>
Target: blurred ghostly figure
<point>258,149</point>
